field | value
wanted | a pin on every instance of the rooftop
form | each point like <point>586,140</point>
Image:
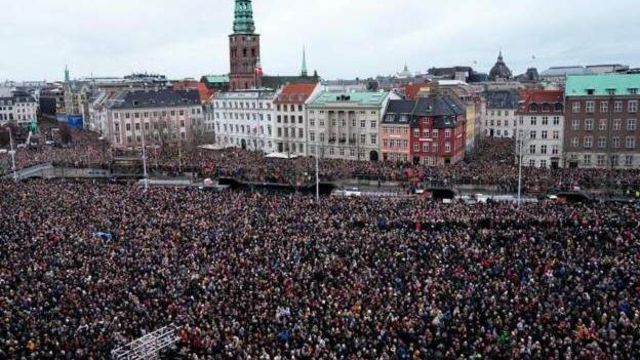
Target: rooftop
<point>566,70</point>
<point>156,99</point>
<point>355,98</point>
<point>502,99</point>
<point>603,85</point>
<point>295,93</point>
<point>551,100</point>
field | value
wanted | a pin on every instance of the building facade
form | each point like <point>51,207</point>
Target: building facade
<point>438,132</point>
<point>20,108</point>
<point>500,114</point>
<point>345,125</point>
<point>291,125</point>
<point>163,117</point>
<point>602,121</point>
<point>244,49</point>
<point>395,131</point>
<point>540,129</point>
<point>244,119</point>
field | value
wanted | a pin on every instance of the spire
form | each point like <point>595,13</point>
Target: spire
<point>66,74</point>
<point>243,21</point>
<point>304,72</point>
<point>500,58</point>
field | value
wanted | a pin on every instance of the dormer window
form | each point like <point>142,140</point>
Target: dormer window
<point>533,108</point>
<point>591,91</point>
<point>633,91</point>
<point>559,107</point>
<point>611,91</point>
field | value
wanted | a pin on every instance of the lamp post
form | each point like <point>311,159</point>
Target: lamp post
<point>144,159</point>
<point>317,174</point>
<point>13,156</point>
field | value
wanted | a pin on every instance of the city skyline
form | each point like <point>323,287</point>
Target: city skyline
<point>189,40</point>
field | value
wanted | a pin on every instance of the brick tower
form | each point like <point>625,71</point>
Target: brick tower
<point>244,49</point>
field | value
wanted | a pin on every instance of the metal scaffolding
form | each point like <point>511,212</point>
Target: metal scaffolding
<point>149,346</point>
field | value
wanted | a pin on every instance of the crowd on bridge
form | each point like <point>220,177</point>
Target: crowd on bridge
<point>86,267</point>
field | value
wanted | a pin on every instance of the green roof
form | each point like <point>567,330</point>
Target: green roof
<point>356,98</point>
<point>581,85</point>
<point>217,79</point>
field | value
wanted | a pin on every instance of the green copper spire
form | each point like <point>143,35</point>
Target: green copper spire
<point>66,74</point>
<point>304,62</point>
<point>243,21</point>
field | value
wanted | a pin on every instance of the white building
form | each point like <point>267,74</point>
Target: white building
<point>164,117</point>
<point>345,125</point>
<point>20,108</point>
<point>500,114</point>
<point>245,119</point>
<point>540,129</point>
<point>291,125</point>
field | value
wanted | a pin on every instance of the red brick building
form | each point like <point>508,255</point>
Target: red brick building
<point>438,131</point>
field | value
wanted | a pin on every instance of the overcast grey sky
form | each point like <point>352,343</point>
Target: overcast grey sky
<point>344,38</point>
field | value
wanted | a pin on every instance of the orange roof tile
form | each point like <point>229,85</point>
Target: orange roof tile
<point>295,93</point>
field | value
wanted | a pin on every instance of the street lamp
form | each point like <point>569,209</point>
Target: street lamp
<point>13,156</point>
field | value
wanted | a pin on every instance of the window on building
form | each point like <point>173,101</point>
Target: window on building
<point>575,124</point>
<point>617,106</point>
<point>363,124</point>
<point>587,159</point>
<point>617,124</point>
<point>425,147</point>
<point>545,120</point>
<point>534,121</point>
<point>575,107</point>
<point>532,163</point>
<point>543,135</point>
<point>555,150</point>
<point>374,124</point>
<point>604,107</point>
<point>615,160</point>
<point>588,124</point>
<point>633,106</point>
<point>590,107</point>
<point>532,134</point>
<point>631,124</point>
<point>601,160</point>
<point>575,142</point>
<point>630,142</point>
<point>543,149</point>
<point>615,142</point>
<point>363,139</point>
<point>532,149</point>
<point>416,147</point>
<point>556,135</point>
<point>603,125</point>
<point>628,160</point>
<point>602,142</point>
<point>588,142</point>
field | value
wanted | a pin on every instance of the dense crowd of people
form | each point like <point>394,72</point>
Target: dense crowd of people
<point>492,164</point>
<point>86,267</point>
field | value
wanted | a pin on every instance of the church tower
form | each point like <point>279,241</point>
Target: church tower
<point>244,49</point>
